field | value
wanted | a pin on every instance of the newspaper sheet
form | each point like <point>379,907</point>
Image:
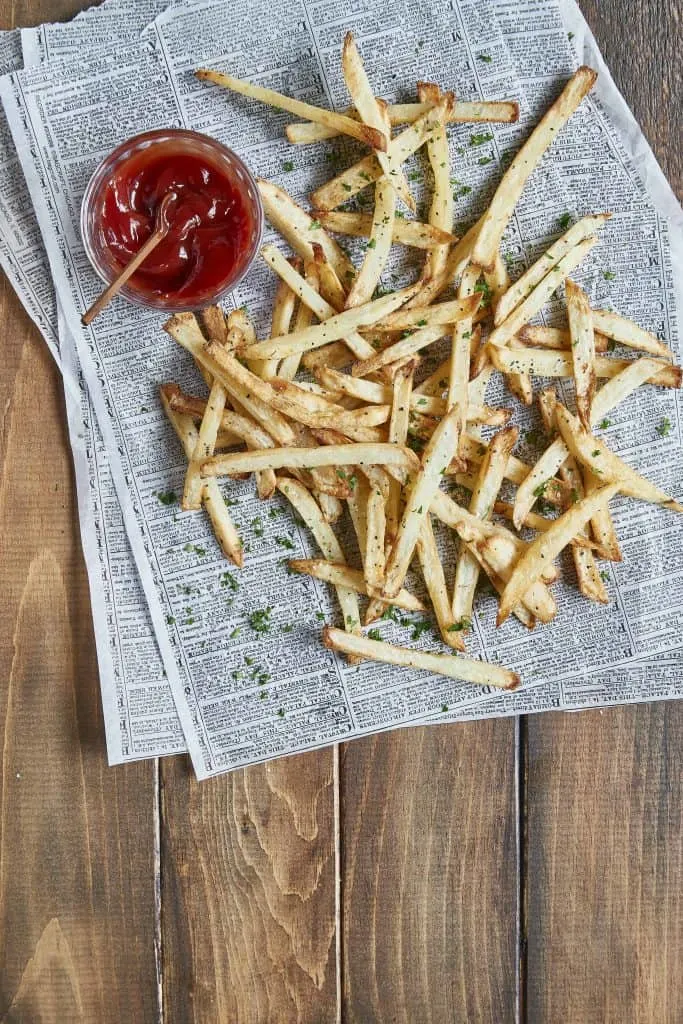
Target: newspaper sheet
<point>368,698</point>
<point>139,713</point>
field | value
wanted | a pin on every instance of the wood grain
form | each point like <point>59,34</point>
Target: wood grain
<point>248,893</point>
<point>76,838</point>
<point>429,875</point>
<point>605,867</point>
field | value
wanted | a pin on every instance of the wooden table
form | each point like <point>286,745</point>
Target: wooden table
<point>497,871</point>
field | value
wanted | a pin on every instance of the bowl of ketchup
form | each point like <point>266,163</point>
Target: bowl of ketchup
<point>215,224</point>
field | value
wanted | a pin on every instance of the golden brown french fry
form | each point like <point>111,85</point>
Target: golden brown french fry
<point>582,350</point>
<point>206,443</point>
<point>343,575</point>
<point>380,454</point>
<point>413,317</point>
<point>538,297</point>
<point>378,247</point>
<point>304,503</point>
<point>487,485</point>
<point>374,560</point>
<point>347,184</point>
<point>336,356</point>
<point>527,159</point>
<point>554,338</point>
<point>184,329</point>
<point>301,230</point>
<point>459,371</point>
<point>547,546</point>
<point>328,118</point>
<point>405,113</point>
<point>478,672</point>
<point>546,363</point>
<point>405,232</point>
<point>331,287</point>
<point>539,523</point>
<point>432,571</point>
<point>398,434</point>
<point>625,332</point>
<point>517,292</point>
<point>605,465</point>
<point>588,577</point>
<point>330,506</point>
<point>373,112</point>
<point>441,206</point>
<point>304,317</point>
<point>214,324</point>
<point>223,526</point>
<point>422,487</point>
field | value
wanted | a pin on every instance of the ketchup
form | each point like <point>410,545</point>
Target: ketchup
<point>211,224</point>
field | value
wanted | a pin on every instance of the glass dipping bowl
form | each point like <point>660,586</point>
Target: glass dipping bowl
<point>146,147</point>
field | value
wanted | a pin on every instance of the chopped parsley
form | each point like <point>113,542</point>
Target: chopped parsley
<point>485,58</point>
<point>419,627</point>
<point>392,614</point>
<point>288,166</point>
<point>288,628</point>
<point>228,580</point>
<point>565,220</point>
<point>170,619</point>
<point>257,526</point>
<point>570,36</point>
<point>196,549</point>
<point>485,160</point>
<point>604,424</point>
<point>421,323</point>
<point>374,634</point>
<point>285,542</point>
<point>444,707</point>
<point>595,453</point>
<point>540,490</point>
<point>281,712</point>
<point>314,225</point>
<point>347,188</point>
<point>604,576</point>
<point>608,275</point>
<point>459,626</point>
<point>235,633</point>
<point>486,293</point>
<point>260,620</point>
<point>165,497</point>
<point>664,428</point>
<point>320,616</point>
<point>371,244</point>
<point>480,138</point>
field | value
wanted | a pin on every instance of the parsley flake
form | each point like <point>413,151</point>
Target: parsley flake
<point>479,139</point>
<point>260,620</point>
<point>288,166</point>
<point>664,428</point>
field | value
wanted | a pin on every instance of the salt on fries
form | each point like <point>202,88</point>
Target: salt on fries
<point>343,441</point>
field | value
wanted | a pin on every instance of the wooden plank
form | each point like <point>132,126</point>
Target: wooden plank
<point>248,893</point>
<point>429,875</point>
<point>24,13</point>
<point>77,922</point>
<point>605,866</point>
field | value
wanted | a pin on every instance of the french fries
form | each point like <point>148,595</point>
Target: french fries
<point>327,118</point>
<point>478,672</point>
<point>582,350</point>
<point>547,546</point>
<point>421,490</point>
<point>405,113</point>
<point>527,159</point>
<point>348,436</point>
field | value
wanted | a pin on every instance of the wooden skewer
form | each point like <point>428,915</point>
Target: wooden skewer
<point>161,228</point>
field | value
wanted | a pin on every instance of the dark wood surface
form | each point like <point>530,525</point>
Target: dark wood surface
<point>497,871</point>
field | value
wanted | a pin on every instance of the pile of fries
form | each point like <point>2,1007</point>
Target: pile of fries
<point>329,412</point>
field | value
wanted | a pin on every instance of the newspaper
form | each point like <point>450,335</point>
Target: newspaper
<point>226,719</point>
<point>139,713</point>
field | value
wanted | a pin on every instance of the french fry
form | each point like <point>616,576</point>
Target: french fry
<point>441,207</point>
<point>411,318</point>
<point>555,338</point>
<point>343,575</point>
<point>478,672</point>
<point>459,371</point>
<point>538,297</point>
<point>378,246</point>
<point>541,525</point>
<point>516,470</point>
<point>223,526</point>
<point>527,159</point>
<point>458,259</point>
<point>547,546</point>
<point>352,181</point>
<point>404,232</point>
<point>373,113</point>
<point>405,113</point>
<point>545,363</point>
<point>582,350</point>
<point>488,483</point>
<point>330,506</point>
<point>435,581</point>
<point>537,599</point>
<point>517,292</point>
<point>289,366</point>
<point>304,503</point>
<point>184,329</point>
<point>608,467</point>
<point>334,326</point>
<point>625,332</point>
<point>398,434</point>
<point>331,287</point>
<point>206,443</point>
<point>336,356</point>
<point>422,487</point>
<point>357,503</point>
<point>319,306</point>
<point>400,459</point>
<point>214,324</point>
<point>378,493</point>
<point>301,230</point>
<point>588,577</point>
<point>328,118</point>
